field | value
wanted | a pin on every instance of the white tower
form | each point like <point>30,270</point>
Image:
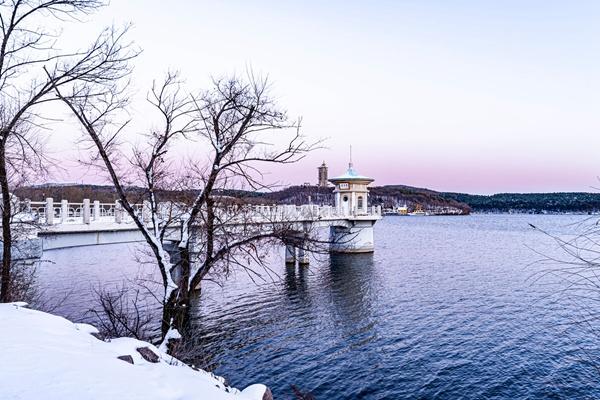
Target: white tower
<point>355,235</point>
<point>351,192</point>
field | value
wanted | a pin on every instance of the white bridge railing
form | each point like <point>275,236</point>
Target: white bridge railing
<point>53,213</point>
<point>50,213</point>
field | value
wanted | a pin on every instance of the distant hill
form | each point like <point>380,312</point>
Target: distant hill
<point>385,196</point>
<point>561,202</point>
<point>72,192</point>
<point>399,195</point>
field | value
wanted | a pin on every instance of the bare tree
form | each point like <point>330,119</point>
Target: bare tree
<point>234,125</point>
<point>123,312</point>
<point>31,67</point>
<point>240,121</point>
<point>148,167</point>
<point>574,273</point>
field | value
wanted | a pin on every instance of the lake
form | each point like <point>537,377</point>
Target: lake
<point>446,307</point>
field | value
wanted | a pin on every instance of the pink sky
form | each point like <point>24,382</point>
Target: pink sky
<point>478,97</point>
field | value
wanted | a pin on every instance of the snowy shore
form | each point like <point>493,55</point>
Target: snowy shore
<point>48,357</point>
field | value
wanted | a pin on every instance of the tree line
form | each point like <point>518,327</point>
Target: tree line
<point>531,202</point>
<point>385,196</point>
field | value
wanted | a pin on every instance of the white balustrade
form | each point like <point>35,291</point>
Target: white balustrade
<point>86,213</point>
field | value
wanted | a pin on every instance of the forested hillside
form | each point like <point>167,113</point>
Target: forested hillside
<point>530,202</point>
<point>385,196</point>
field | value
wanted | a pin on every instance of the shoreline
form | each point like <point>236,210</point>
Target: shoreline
<point>38,347</point>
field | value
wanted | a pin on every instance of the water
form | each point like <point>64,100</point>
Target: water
<point>445,308</point>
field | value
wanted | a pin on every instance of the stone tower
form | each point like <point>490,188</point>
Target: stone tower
<point>323,175</point>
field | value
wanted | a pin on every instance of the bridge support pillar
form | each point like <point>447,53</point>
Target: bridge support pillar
<point>96,210</point>
<point>356,238</point>
<point>86,211</point>
<point>290,254</point>
<point>49,211</point>
<point>303,257</point>
<point>64,211</point>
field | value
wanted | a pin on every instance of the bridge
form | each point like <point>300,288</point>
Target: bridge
<point>66,224</point>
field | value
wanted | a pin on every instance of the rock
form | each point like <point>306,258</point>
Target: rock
<point>300,395</point>
<point>267,395</point>
<point>126,358</point>
<point>258,392</point>
<point>148,354</point>
<point>92,330</point>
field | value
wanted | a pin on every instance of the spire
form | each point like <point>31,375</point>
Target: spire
<point>350,163</point>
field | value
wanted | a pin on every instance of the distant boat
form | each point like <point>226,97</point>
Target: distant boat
<point>418,211</point>
<point>396,211</point>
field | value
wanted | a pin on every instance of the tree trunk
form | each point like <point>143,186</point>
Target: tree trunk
<point>5,295</point>
<point>176,311</point>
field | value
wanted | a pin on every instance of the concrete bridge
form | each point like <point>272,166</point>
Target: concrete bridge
<point>350,221</point>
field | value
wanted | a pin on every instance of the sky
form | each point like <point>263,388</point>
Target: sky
<point>469,96</point>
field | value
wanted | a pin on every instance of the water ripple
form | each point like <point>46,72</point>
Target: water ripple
<point>444,309</point>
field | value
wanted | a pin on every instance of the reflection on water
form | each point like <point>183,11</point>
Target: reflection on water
<point>442,309</point>
<point>350,283</point>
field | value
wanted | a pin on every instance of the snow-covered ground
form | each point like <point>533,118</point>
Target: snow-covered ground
<point>43,356</point>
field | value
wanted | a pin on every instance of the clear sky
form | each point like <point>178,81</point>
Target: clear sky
<point>475,96</point>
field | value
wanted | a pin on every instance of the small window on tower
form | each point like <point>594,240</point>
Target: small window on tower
<point>360,202</point>
<point>345,198</point>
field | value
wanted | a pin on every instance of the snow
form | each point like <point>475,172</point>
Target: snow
<point>185,234</point>
<point>48,357</point>
<point>172,333</point>
<point>166,262</point>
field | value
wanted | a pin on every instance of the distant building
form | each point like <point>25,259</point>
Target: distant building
<point>323,175</point>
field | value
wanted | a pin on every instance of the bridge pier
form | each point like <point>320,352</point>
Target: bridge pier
<point>293,254</point>
<point>290,254</point>
<point>355,238</point>
<point>303,257</point>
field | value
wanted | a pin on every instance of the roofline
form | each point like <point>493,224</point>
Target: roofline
<point>350,178</point>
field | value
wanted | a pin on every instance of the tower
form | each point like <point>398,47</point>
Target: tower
<point>323,175</point>
<point>356,235</point>
<point>351,192</point>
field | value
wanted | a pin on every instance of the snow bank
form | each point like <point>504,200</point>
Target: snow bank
<point>43,356</point>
